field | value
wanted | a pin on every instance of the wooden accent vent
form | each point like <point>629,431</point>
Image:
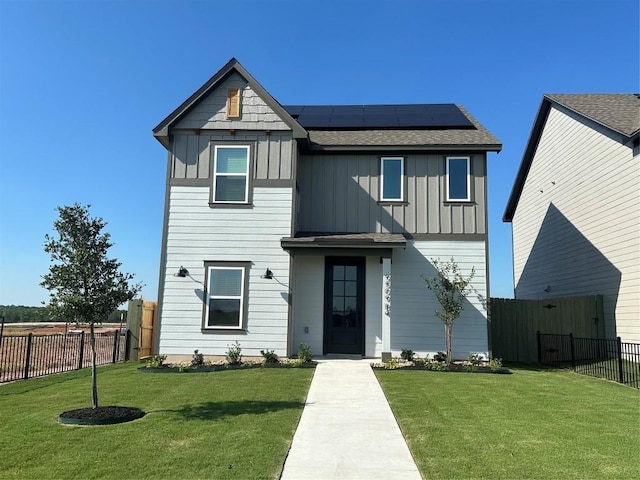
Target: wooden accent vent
<point>233,103</point>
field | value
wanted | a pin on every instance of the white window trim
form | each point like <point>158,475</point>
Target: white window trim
<point>216,174</point>
<point>241,297</point>
<point>382,197</point>
<point>468,198</point>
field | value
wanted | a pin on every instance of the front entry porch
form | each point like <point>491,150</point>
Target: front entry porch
<point>341,293</point>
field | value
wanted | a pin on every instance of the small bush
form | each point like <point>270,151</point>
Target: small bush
<point>440,357</point>
<point>391,364</point>
<point>304,353</point>
<point>234,354</point>
<point>407,355</point>
<point>438,366</point>
<point>157,361</point>
<point>197,360</point>
<point>421,362</point>
<point>474,359</point>
<point>269,356</point>
<point>495,364</point>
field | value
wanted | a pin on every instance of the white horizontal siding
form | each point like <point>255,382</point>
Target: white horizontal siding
<point>414,324</point>
<point>576,228</point>
<point>197,233</point>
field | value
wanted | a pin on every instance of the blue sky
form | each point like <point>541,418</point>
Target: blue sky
<point>82,83</point>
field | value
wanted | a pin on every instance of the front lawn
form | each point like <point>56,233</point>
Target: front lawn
<point>229,424</point>
<point>532,424</point>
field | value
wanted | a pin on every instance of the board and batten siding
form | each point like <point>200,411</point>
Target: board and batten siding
<point>340,193</point>
<point>211,111</point>
<point>414,324</point>
<point>192,157</point>
<point>197,233</point>
<point>576,229</point>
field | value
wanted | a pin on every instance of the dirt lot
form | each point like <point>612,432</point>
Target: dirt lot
<point>51,328</point>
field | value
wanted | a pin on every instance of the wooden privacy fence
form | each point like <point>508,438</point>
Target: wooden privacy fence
<point>141,320</point>
<point>515,323</point>
<point>27,356</point>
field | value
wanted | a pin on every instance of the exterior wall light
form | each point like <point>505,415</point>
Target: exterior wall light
<point>182,272</point>
<point>268,275</point>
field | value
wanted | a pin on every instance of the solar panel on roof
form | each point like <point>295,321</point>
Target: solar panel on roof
<point>380,116</point>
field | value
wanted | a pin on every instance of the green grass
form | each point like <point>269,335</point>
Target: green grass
<point>532,424</point>
<point>231,424</point>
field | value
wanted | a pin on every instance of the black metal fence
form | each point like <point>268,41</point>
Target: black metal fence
<point>27,356</point>
<point>608,358</point>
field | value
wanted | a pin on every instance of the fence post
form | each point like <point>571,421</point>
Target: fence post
<point>116,338</point>
<point>127,345</point>
<point>620,366</point>
<point>28,358</point>
<point>573,354</point>
<point>81,353</point>
<point>539,348</point>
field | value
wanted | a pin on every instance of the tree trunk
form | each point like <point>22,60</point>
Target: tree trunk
<point>447,335</point>
<point>94,378</point>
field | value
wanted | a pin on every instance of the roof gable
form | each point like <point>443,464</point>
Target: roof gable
<point>161,131</point>
<point>618,113</point>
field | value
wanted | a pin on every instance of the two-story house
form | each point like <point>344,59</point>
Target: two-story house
<point>574,206</point>
<point>314,224</point>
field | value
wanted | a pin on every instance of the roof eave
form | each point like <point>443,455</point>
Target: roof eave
<point>161,131</point>
<point>525,163</point>
<point>497,148</point>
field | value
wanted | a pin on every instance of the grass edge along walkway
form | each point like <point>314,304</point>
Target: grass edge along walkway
<point>532,424</point>
<point>231,424</point>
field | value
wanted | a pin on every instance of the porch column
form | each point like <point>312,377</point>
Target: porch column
<point>386,309</point>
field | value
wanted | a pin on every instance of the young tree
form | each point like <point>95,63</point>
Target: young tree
<point>450,288</point>
<point>84,284</point>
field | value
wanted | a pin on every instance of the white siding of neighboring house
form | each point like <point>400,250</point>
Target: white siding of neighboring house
<point>414,324</point>
<point>198,233</point>
<point>593,183</point>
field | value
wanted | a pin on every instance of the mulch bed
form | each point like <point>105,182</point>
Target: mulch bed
<point>169,368</point>
<point>440,367</point>
<point>108,415</point>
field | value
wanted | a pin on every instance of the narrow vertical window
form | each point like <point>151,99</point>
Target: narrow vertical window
<point>231,174</point>
<point>233,103</point>
<point>392,179</point>
<point>458,179</point>
<point>225,297</point>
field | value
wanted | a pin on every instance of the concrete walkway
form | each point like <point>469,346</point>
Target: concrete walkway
<point>347,430</point>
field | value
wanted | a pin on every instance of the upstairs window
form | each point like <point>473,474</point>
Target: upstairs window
<point>458,179</point>
<point>226,296</point>
<point>233,103</point>
<point>231,174</point>
<point>392,179</point>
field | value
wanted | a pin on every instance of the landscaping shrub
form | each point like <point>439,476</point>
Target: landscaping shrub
<point>407,355</point>
<point>234,354</point>
<point>269,356</point>
<point>197,360</point>
<point>304,353</point>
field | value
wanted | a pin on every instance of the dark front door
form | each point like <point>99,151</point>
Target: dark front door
<point>344,305</point>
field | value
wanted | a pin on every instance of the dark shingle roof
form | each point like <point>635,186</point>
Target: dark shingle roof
<point>478,137</point>
<point>618,111</point>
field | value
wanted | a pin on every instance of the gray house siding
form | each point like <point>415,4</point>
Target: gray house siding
<point>191,154</point>
<point>210,112</point>
<point>340,192</point>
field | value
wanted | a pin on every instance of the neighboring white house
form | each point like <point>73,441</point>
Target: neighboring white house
<point>575,206</point>
<point>314,224</point>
